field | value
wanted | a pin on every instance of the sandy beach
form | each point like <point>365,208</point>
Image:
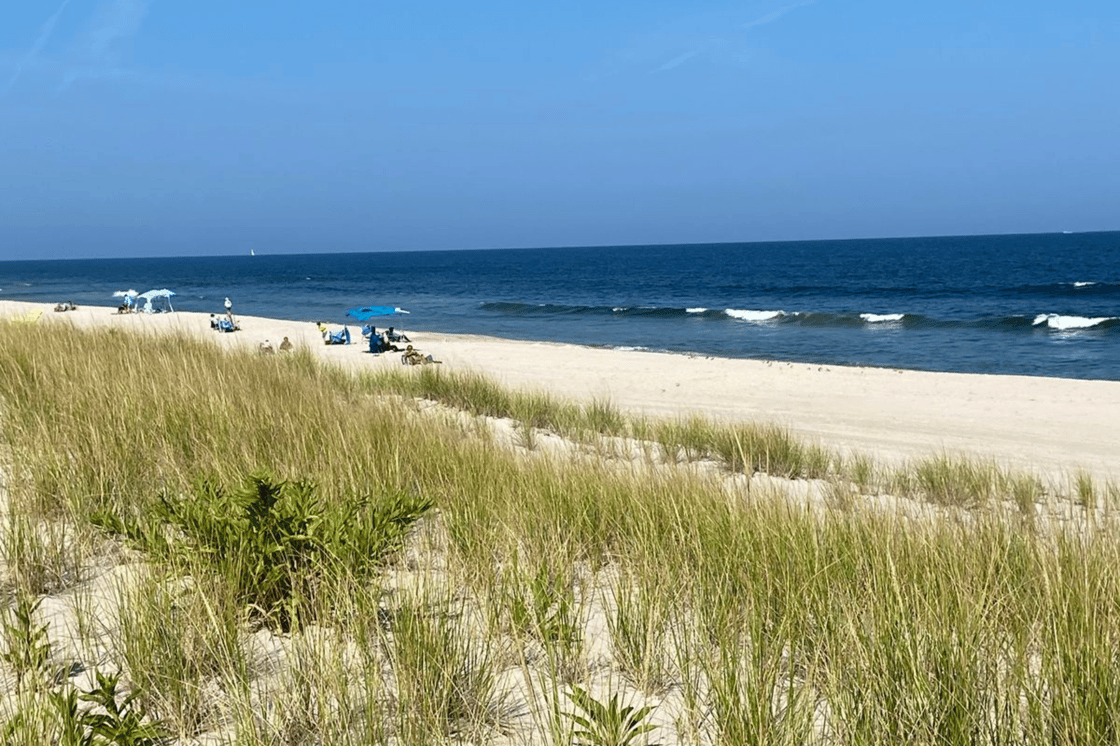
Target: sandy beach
<point>534,634</point>
<point>1051,426</point>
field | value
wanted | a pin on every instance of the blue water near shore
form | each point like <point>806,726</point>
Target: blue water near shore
<point>1040,305</point>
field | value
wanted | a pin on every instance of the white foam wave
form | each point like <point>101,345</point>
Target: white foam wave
<point>1056,321</point>
<point>743,315</point>
<point>877,318</point>
<point>695,310</point>
<point>401,310</point>
<point>1083,284</point>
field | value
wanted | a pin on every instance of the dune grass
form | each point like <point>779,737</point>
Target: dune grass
<point>737,615</point>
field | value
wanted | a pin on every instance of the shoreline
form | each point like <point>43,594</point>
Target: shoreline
<point>1053,427</point>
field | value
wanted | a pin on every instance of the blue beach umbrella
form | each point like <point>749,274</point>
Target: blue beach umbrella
<point>368,312</point>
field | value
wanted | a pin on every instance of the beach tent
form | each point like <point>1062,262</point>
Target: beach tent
<point>151,295</point>
<point>368,312</point>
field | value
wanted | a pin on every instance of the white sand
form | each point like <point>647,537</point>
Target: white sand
<point>1049,425</point>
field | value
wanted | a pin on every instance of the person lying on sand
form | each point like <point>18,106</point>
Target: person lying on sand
<point>413,356</point>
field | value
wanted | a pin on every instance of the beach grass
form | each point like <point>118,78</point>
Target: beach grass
<point>721,598</point>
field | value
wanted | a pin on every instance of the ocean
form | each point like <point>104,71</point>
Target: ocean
<point>1037,305</point>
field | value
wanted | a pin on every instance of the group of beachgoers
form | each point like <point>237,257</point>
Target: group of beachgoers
<point>379,342</point>
<point>226,323</point>
<point>266,348</point>
<point>65,306</point>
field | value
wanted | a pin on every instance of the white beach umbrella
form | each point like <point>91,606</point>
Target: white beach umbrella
<point>161,293</point>
<point>125,294</point>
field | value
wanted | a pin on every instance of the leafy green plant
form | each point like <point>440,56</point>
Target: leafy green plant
<point>274,539</point>
<point>546,609</point>
<point>71,730</point>
<point>611,724</point>
<point>28,648</point>
<point>120,724</point>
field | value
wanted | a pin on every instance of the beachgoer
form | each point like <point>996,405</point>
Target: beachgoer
<point>338,338</point>
<point>266,348</point>
<point>285,346</point>
<point>413,356</point>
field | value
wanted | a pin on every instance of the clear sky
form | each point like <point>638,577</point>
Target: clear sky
<point>152,127</point>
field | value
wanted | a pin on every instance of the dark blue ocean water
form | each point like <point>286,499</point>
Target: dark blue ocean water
<point>1041,305</point>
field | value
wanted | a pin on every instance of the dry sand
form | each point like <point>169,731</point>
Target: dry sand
<point>1049,425</point>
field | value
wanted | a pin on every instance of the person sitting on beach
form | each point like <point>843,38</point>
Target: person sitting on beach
<point>415,357</point>
<point>396,336</point>
<point>213,321</point>
<point>338,338</point>
<point>285,346</point>
<point>266,348</point>
<point>379,343</point>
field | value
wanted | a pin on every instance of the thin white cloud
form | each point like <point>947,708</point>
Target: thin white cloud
<point>775,15</point>
<point>718,42</point>
<point>40,42</point>
<point>98,56</point>
<point>678,61</point>
<point>116,20</point>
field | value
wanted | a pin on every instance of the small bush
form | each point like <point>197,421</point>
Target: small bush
<point>274,540</point>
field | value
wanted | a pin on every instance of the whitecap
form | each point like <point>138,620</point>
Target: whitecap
<point>1083,284</point>
<point>695,310</point>
<point>400,310</point>
<point>876,318</point>
<point>742,315</point>
<point>1057,321</point>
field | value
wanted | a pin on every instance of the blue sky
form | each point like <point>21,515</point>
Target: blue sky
<point>150,127</point>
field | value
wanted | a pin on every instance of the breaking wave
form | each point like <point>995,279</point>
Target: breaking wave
<point>1008,323</point>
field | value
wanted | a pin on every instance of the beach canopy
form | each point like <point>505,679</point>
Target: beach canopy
<point>125,294</point>
<point>368,312</point>
<point>151,295</point>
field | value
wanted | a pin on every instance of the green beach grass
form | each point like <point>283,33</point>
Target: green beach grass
<point>268,550</point>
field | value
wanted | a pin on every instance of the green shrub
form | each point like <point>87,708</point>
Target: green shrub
<point>273,540</point>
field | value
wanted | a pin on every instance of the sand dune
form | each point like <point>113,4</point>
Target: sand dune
<point>1049,425</point>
